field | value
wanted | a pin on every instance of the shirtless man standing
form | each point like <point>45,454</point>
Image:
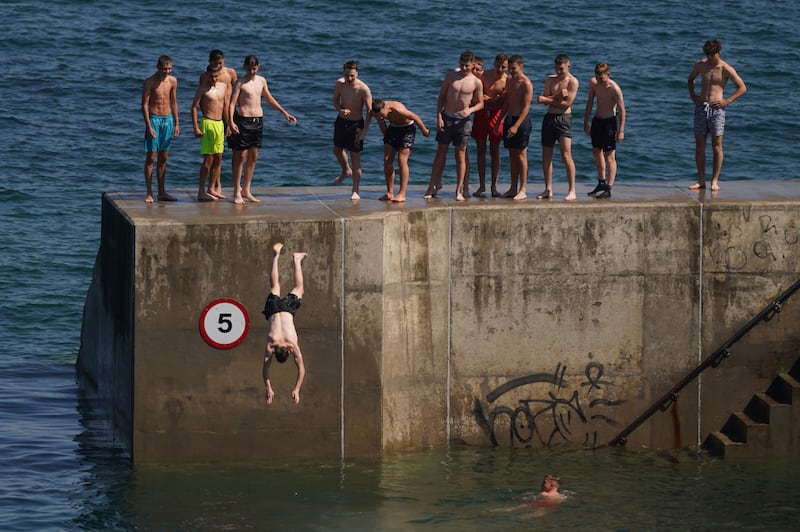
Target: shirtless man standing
<point>282,335</point>
<point>709,112</point>
<point>160,112</point>
<point>351,98</point>
<point>604,131</point>
<point>398,138</point>
<point>212,98</point>
<point>226,75</point>
<point>517,126</point>
<point>247,125</point>
<point>460,96</point>
<point>494,91</point>
<point>559,92</point>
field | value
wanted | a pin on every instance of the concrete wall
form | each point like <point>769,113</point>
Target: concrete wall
<point>539,323</point>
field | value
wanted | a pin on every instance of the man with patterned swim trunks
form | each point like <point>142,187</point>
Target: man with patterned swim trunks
<point>398,138</point>
<point>709,112</point>
<point>160,112</point>
<point>282,339</point>
<point>212,99</point>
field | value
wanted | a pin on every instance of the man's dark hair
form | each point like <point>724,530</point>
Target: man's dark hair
<point>281,353</point>
<point>164,59</point>
<point>215,54</point>
<point>378,105</point>
<point>711,47</point>
<point>466,57</point>
<point>250,61</point>
<point>561,59</point>
<point>515,59</point>
<point>350,65</point>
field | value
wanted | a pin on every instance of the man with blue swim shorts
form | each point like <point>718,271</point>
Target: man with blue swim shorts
<point>710,104</point>
<point>212,99</point>
<point>398,138</point>
<point>160,112</point>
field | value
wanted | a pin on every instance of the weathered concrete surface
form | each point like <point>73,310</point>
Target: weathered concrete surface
<point>533,323</point>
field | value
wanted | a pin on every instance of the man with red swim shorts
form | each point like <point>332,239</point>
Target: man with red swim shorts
<point>485,121</point>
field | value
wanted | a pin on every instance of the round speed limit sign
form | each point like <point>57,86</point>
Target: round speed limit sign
<point>224,323</point>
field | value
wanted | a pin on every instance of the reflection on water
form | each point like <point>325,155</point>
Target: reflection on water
<point>463,489</point>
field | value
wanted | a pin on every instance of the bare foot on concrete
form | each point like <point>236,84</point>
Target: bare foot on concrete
<point>700,185</point>
<point>386,197</point>
<point>342,177</point>
<point>571,196</point>
<point>166,197</point>
<point>354,196</point>
<point>399,199</point>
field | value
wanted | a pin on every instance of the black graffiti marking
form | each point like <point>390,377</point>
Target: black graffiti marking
<point>524,425</point>
<point>594,373</point>
<point>605,418</point>
<point>766,224</point>
<point>604,402</point>
<point>735,259</point>
<point>762,250</point>
<point>556,379</point>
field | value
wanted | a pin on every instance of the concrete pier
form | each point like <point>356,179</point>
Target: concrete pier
<point>486,322</point>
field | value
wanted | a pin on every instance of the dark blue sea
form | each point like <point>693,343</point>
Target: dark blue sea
<point>72,129</point>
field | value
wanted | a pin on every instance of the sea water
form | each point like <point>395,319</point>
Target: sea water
<point>71,128</point>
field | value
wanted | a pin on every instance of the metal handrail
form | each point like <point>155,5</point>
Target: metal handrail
<point>713,361</point>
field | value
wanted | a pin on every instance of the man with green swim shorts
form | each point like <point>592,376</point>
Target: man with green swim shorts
<point>160,112</point>
<point>211,97</point>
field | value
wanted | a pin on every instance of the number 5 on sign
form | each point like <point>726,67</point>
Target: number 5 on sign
<point>224,323</point>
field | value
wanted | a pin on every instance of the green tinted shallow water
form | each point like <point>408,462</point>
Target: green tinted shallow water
<point>466,489</point>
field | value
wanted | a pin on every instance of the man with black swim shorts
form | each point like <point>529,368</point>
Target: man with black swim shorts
<point>517,126</point>
<point>282,335</point>
<point>399,127</point>
<point>247,124</point>
<point>461,95</point>
<point>559,92</point>
<point>709,112</point>
<point>351,98</point>
<point>605,131</point>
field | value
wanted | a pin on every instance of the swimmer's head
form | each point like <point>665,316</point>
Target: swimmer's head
<point>163,60</point>
<point>551,482</point>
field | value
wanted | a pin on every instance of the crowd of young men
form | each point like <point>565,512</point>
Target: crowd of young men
<point>488,106</point>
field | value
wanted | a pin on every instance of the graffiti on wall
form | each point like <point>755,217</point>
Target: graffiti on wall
<point>773,239</point>
<point>556,410</point>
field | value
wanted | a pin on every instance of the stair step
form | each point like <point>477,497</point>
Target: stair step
<point>761,407</point>
<point>785,389</point>
<point>719,444</point>
<point>741,428</point>
<point>795,370</point>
